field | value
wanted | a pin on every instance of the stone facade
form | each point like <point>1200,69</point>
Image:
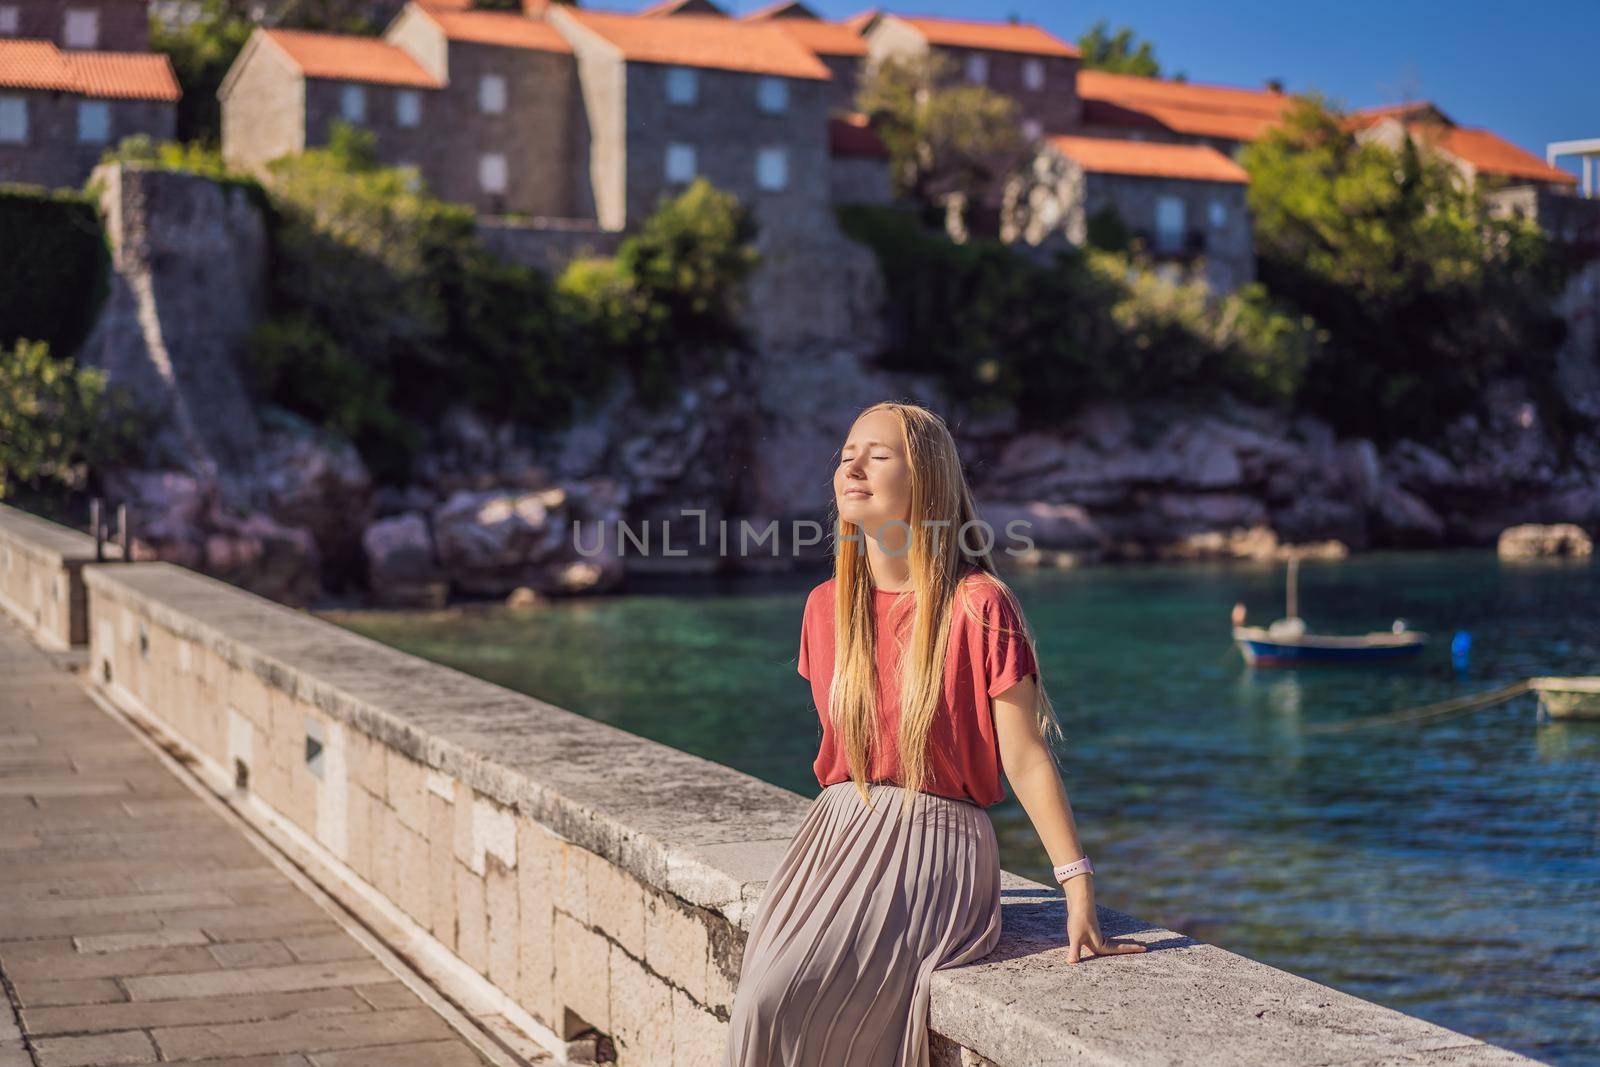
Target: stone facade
<point>41,576</point>
<point>1048,105</point>
<point>101,25</point>
<point>263,106</point>
<point>53,153</point>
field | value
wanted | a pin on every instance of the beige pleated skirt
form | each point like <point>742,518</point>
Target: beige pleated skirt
<point>862,909</point>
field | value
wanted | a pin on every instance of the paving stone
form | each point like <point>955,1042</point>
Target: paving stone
<point>251,954</point>
<point>99,1050</point>
<point>83,991</point>
<point>308,1035</point>
<point>73,964</point>
<point>389,995</point>
<point>144,1015</point>
<point>433,1054</point>
<point>337,946</point>
<point>140,939</point>
<point>257,980</point>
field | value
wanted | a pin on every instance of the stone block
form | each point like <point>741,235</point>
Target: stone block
<point>616,905</point>
<point>677,944</point>
<point>641,1012</point>
<point>98,1050</point>
<point>582,975</point>
<point>698,1037</point>
<point>407,790</point>
<point>572,881</point>
<point>472,922</point>
<point>500,897</point>
<point>442,871</point>
<point>415,878</point>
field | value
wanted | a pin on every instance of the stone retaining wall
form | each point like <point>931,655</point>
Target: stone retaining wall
<point>602,880</point>
<point>41,581</point>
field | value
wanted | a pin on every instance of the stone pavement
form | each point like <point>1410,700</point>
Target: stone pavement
<point>138,925</point>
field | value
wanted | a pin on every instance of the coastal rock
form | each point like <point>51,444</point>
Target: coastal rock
<point>307,477</point>
<point>401,568</point>
<point>1531,540</point>
<point>180,518</point>
<point>1047,525</point>
<point>1406,519</point>
<point>490,543</point>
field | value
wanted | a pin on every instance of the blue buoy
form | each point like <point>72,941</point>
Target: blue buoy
<point>1460,650</point>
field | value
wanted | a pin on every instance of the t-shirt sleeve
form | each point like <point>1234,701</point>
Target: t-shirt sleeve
<point>804,662</point>
<point>1007,657</point>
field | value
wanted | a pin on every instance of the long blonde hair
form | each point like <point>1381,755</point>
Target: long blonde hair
<point>941,567</point>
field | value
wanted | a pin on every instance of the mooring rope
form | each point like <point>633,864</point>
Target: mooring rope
<point>1444,709</point>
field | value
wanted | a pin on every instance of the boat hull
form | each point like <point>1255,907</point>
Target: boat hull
<point>1313,650</point>
<point>1568,698</point>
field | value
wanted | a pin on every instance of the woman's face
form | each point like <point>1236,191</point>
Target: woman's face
<point>872,484</point>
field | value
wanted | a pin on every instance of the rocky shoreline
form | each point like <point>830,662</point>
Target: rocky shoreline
<point>264,500</point>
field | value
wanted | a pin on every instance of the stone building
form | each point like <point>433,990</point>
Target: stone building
<point>1036,69</point>
<point>86,25</point>
<point>1474,151</point>
<point>60,109</point>
<point>286,87</point>
<point>480,102</point>
<point>839,46</point>
<point>1184,203</point>
<point>667,100</point>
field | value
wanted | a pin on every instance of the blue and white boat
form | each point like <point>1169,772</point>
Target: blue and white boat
<point>1286,642</point>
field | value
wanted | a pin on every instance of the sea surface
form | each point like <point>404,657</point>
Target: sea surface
<point>1448,869</point>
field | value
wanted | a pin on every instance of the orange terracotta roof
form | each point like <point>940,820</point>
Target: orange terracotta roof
<point>347,57</point>
<point>30,64</point>
<point>823,38</point>
<point>1183,107</point>
<point>505,28</point>
<point>994,36</point>
<point>124,75</point>
<point>1493,154</point>
<point>852,135</point>
<point>704,41</point>
<point>1410,111</point>
<point>1150,159</point>
<point>861,20</point>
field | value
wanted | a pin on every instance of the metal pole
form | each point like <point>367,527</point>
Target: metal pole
<point>123,537</point>
<point>1294,574</point>
<point>99,534</point>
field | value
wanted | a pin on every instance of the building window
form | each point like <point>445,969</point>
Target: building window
<point>1218,213</point>
<point>977,68</point>
<point>492,172</point>
<point>407,107</point>
<point>1033,74</point>
<point>772,169</point>
<point>773,95</point>
<point>680,162</point>
<point>1169,224</point>
<point>353,103</point>
<point>10,17</point>
<point>492,93</point>
<point>1031,129</point>
<point>94,122</point>
<point>13,119</point>
<point>683,85</point>
<point>82,28</point>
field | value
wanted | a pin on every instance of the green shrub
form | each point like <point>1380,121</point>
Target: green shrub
<point>1000,328</point>
<point>59,420</point>
<point>55,270</point>
<point>671,293</point>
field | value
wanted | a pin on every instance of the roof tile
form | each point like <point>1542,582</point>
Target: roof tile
<point>704,41</point>
<point>1224,111</point>
<point>349,57</point>
<point>33,64</point>
<point>1150,159</point>
<point>505,28</point>
<point>995,36</point>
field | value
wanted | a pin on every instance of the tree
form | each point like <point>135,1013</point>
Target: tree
<point>944,137</point>
<point>1117,52</point>
<point>1426,295</point>
<point>58,420</point>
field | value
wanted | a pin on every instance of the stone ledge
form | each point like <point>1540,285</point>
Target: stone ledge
<point>710,835</point>
<point>49,542</point>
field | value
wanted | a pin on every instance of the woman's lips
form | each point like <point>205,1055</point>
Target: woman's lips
<point>861,493</point>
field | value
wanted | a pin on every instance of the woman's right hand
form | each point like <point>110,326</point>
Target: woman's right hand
<point>1083,925</point>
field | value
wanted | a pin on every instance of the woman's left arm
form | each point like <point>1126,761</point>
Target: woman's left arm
<point>1031,769</point>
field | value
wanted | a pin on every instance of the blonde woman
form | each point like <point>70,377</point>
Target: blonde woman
<point>924,674</point>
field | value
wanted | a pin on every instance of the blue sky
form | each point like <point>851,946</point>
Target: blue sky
<point>1526,70</point>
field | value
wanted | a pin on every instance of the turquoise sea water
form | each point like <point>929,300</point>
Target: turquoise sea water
<point>1450,870</point>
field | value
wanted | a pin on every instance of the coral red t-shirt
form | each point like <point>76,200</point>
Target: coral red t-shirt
<point>984,661</point>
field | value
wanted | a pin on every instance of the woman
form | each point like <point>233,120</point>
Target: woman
<point>929,689</point>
